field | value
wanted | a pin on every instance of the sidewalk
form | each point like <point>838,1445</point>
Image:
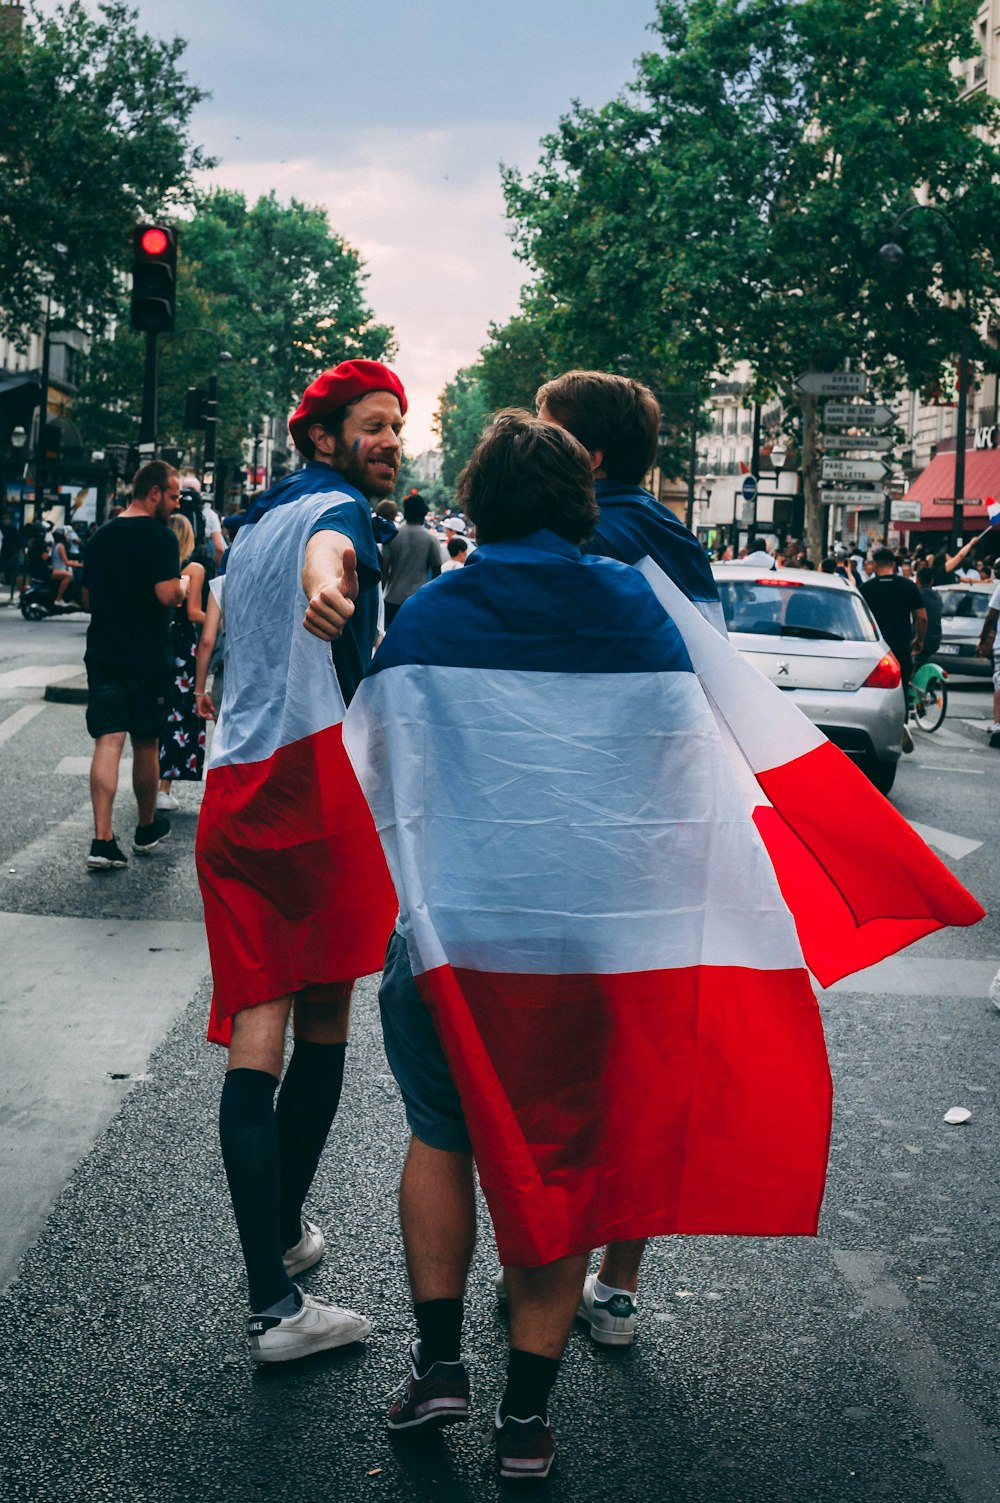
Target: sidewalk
<point>857,1366</point>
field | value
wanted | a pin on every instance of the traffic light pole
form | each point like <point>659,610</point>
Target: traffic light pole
<point>211,425</point>
<point>147,423</point>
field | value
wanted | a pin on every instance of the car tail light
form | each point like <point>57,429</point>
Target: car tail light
<point>781,584</point>
<point>885,675</point>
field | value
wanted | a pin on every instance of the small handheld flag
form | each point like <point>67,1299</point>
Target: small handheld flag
<point>993,511</point>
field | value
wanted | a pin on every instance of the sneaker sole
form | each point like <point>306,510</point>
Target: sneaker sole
<point>144,850</point>
<point>514,1469</point>
<point>291,1353</point>
<point>102,864</point>
<point>602,1335</point>
<point>437,1411</point>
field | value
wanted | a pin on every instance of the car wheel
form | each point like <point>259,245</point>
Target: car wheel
<point>882,774</point>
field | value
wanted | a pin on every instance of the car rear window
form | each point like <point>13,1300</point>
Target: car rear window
<point>795,610</point>
<point>964,603</point>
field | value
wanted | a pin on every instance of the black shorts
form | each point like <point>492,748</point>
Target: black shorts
<point>130,702</point>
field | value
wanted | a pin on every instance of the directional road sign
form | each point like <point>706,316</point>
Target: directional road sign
<point>857,415</point>
<point>854,469</point>
<point>833,383</point>
<point>872,443</point>
<point>872,498</point>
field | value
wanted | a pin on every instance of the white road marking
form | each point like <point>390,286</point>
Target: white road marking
<point>20,718</point>
<point>79,767</point>
<point>960,1443</point>
<point>922,976</point>
<point>975,772</point>
<point>40,675</point>
<point>955,846</point>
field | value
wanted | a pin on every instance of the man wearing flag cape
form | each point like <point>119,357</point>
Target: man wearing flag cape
<point>609,842</point>
<point>298,901</point>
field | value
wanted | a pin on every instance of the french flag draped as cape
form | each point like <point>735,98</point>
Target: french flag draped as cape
<point>591,912</point>
<point>293,879</point>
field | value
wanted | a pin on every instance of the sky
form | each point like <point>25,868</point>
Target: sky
<point>396,116</point>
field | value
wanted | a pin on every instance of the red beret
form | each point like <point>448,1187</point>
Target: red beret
<point>335,389</point>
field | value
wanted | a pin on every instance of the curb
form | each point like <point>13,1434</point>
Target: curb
<point>66,694</point>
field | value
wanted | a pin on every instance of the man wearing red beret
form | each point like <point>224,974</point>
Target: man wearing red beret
<point>298,901</point>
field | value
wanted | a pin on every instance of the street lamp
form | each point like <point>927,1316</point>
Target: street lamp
<point>222,357</point>
<point>893,254</point>
<point>18,439</point>
<point>43,404</point>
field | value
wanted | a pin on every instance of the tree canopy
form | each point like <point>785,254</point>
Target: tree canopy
<point>94,137</point>
<point>731,204</point>
<point>463,412</point>
<point>274,286</point>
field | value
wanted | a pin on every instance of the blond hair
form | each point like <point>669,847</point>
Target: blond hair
<point>185,536</point>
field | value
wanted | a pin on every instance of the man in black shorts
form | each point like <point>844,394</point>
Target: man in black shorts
<point>132,581</point>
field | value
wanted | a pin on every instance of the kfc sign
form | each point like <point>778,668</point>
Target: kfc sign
<point>986,438</point>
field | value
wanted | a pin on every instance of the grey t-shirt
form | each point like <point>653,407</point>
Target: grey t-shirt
<point>409,560</point>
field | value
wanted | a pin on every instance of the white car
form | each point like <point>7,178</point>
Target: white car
<point>814,637</point>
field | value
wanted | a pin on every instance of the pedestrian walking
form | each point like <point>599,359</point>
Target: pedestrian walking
<point>182,740</point>
<point>614,1076</point>
<point>410,558</point>
<point>899,610</point>
<point>298,901</point>
<point>132,583</point>
<point>458,552</point>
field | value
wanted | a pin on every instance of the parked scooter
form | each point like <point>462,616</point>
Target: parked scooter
<point>38,600</point>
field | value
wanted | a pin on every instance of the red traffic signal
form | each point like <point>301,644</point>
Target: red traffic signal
<point>154,241</point>
<point>154,277</point>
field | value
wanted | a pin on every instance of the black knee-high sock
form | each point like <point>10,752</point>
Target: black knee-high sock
<point>529,1383</point>
<point>249,1138</point>
<point>307,1105</point>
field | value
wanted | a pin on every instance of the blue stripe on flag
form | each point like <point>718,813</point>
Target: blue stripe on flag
<point>536,605</point>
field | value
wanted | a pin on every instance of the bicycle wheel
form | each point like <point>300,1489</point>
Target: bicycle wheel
<point>932,705</point>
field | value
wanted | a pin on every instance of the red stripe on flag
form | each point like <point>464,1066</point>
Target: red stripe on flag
<point>861,888</point>
<point>613,1107</point>
<point>293,879</point>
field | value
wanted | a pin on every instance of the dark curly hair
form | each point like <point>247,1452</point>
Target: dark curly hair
<point>525,475</point>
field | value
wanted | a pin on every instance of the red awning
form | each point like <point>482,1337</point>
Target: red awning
<point>935,487</point>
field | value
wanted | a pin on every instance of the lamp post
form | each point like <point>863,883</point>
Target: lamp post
<point>43,400</point>
<point>222,357</point>
<point>18,439</point>
<point>893,254</point>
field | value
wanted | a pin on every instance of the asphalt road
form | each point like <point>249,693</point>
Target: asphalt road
<point>861,1365</point>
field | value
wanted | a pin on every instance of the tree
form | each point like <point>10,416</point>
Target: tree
<point>732,203</point>
<point>93,138</point>
<point>462,414</point>
<point>274,285</point>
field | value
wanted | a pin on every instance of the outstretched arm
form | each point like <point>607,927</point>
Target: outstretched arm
<point>330,580</point>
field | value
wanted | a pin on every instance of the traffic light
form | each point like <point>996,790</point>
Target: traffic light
<point>52,445</point>
<point>196,404</point>
<point>154,277</point>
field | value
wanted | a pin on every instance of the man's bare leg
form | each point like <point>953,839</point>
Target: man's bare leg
<point>104,781</point>
<point>620,1264</point>
<point>437,1209</point>
<point>543,1304</point>
<point>145,780</point>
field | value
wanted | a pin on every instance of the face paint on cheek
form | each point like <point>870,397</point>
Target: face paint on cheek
<point>355,448</point>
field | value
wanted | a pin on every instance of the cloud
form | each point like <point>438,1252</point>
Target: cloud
<point>426,212</point>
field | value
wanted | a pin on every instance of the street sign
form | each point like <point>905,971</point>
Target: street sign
<point>854,469</point>
<point>857,415</point>
<point>833,383</point>
<point>866,499</point>
<point>873,443</point>
<point>748,490</point>
<point>905,511</point>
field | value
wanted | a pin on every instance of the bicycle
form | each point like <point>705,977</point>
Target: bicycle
<point>927,697</point>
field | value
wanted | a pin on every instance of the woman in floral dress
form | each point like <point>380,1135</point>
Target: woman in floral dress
<point>182,740</point>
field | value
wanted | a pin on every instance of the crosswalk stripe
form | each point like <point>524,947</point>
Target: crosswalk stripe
<point>20,718</point>
<point>955,846</point>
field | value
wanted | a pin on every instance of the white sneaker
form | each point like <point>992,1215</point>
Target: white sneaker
<point>317,1327</point>
<point>167,801</point>
<point>307,1251</point>
<point>611,1320</point>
